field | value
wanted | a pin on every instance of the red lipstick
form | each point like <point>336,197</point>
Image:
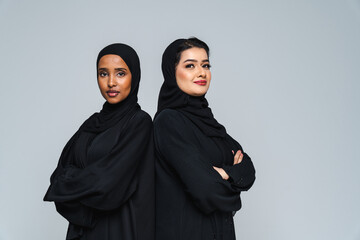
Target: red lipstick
<point>201,82</point>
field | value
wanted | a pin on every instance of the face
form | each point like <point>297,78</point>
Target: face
<point>193,72</point>
<point>114,78</point>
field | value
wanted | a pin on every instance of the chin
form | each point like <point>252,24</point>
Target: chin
<point>113,101</point>
<point>198,94</point>
<point>196,91</point>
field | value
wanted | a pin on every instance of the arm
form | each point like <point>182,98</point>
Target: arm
<point>76,213</point>
<point>109,182</point>
<point>242,173</point>
<point>179,148</point>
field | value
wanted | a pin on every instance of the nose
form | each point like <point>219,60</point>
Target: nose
<point>111,81</point>
<point>202,72</point>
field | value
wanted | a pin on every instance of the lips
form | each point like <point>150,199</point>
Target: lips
<point>200,82</point>
<point>112,93</point>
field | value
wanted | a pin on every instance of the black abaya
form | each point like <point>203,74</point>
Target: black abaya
<point>192,199</point>
<point>104,182</point>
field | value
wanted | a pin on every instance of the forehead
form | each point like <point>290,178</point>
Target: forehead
<point>112,60</point>
<point>194,53</point>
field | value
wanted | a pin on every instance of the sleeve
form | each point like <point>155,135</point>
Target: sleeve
<point>76,213</point>
<point>179,148</point>
<point>107,183</point>
<point>73,211</point>
<point>242,175</point>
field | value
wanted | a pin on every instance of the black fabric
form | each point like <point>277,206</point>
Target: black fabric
<point>192,200</point>
<point>104,182</point>
<point>112,113</point>
<point>195,108</point>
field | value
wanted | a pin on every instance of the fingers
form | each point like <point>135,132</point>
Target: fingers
<point>235,159</point>
<point>238,157</point>
<point>241,157</point>
<point>222,173</point>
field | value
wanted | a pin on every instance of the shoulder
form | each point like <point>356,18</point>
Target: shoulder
<point>140,119</point>
<point>169,117</point>
<point>171,123</point>
<point>142,116</point>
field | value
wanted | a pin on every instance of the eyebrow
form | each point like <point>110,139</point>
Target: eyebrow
<point>118,69</point>
<point>193,60</point>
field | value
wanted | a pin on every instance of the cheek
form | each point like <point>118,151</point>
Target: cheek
<point>101,85</point>
<point>184,79</point>
<point>182,75</point>
<point>126,85</point>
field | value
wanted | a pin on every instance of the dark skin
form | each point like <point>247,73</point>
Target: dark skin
<point>114,78</point>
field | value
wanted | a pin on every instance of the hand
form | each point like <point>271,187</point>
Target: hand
<point>222,173</point>
<point>238,157</point>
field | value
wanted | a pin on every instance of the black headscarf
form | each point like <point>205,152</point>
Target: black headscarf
<point>171,96</point>
<point>112,113</point>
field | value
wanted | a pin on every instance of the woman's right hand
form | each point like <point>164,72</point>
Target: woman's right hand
<point>238,157</point>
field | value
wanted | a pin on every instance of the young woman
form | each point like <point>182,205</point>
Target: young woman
<point>200,169</point>
<point>104,182</point>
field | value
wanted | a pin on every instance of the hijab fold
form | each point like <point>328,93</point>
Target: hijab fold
<point>112,113</point>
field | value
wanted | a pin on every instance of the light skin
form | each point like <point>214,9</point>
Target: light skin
<point>114,78</point>
<point>193,77</point>
<point>192,73</point>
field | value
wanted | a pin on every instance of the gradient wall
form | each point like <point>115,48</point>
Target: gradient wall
<point>285,84</point>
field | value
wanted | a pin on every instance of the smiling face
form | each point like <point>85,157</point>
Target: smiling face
<point>192,73</point>
<point>114,78</point>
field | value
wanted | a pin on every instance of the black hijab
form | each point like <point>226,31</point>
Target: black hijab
<point>171,96</point>
<point>112,113</point>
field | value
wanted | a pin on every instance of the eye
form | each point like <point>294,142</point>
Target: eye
<point>208,66</point>
<point>120,74</point>
<point>189,66</point>
<point>103,74</point>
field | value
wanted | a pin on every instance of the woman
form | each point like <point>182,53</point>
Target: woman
<point>200,169</point>
<point>104,182</point>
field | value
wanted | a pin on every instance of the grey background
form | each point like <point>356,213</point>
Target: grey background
<point>285,84</point>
